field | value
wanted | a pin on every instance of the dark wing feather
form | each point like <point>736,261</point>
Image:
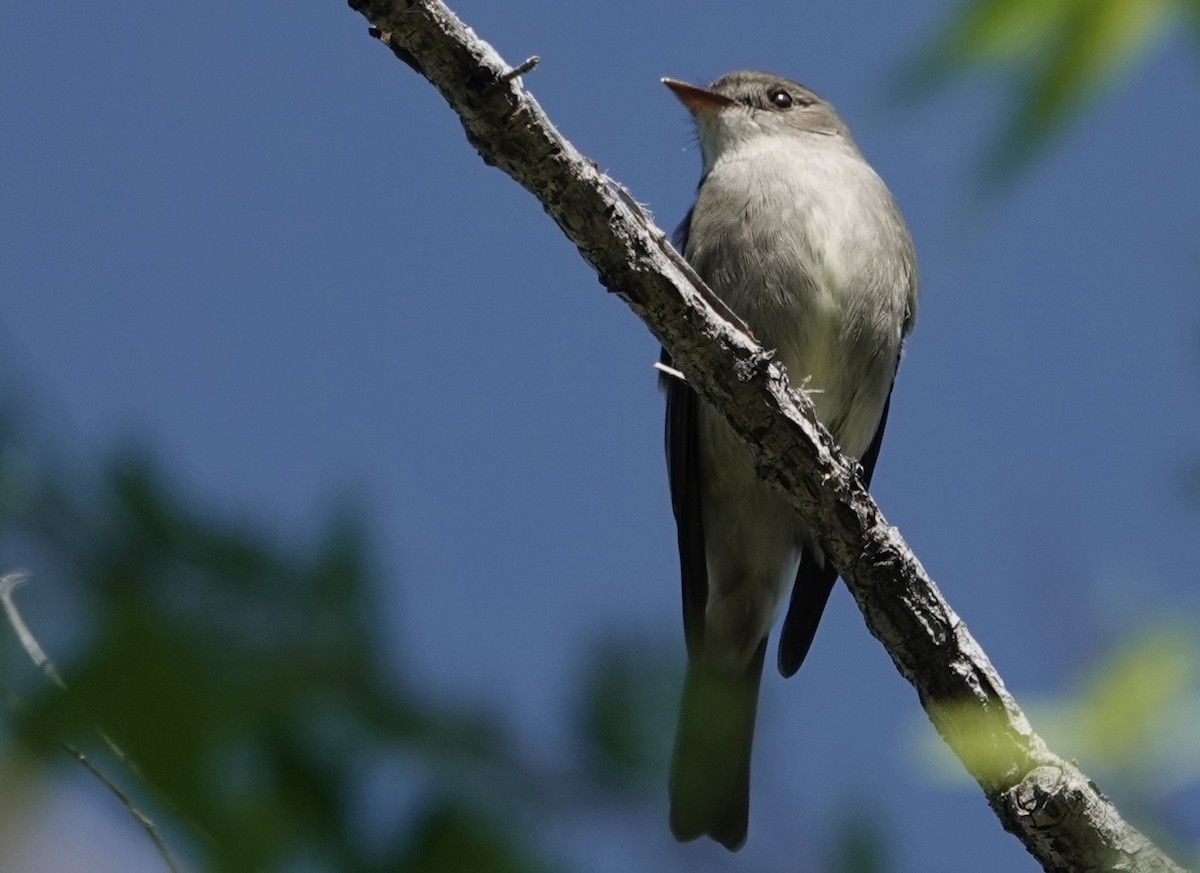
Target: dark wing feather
<point>683,472</point>
<point>816,577</point>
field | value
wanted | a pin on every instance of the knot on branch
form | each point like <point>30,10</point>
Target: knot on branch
<point>1041,796</point>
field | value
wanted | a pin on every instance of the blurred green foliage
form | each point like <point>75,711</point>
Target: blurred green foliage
<point>859,845</point>
<point>1058,55</point>
<point>1131,723</point>
<point>249,685</point>
<point>622,718</point>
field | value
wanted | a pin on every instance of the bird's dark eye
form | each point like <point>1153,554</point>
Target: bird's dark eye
<point>781,99</point>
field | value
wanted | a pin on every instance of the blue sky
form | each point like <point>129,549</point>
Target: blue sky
<point>246,237</point>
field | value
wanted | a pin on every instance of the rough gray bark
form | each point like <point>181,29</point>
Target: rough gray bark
<point>1048,803</point>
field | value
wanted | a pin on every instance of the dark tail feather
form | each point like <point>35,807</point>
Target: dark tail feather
<point>814,583</point>
<point>817,576</point>
<point>710,772</point>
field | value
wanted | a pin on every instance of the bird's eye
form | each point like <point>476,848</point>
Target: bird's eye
<point>781,99</point>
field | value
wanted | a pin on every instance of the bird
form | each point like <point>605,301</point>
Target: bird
<point>798,235</point>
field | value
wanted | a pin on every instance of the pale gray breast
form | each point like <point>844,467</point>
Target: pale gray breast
<point>807,246</point>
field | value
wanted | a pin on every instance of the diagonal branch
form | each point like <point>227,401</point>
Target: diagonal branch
<point>1048,803</point>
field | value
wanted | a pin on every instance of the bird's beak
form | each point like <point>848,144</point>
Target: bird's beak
<point>698,101</point>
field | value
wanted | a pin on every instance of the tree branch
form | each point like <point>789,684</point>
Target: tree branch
<point>1048,803</point>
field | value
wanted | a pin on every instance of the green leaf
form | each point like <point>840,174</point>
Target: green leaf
<point>1135,693</point>
<point>1005,30</point>
<point>1096,42</point>
<point>1057,55</point>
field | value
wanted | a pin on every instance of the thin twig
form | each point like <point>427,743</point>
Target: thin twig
<point>141,818</point>
<point>669,371</point>
<point>521,69</point>
<point>9,583</point>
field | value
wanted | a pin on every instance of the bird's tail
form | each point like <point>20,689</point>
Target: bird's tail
<point>710,770</point>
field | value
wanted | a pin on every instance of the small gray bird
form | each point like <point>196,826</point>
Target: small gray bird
<point>799,236</point>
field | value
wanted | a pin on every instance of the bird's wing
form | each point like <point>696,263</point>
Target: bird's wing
<point>816,577</point>
<point>683,473</point>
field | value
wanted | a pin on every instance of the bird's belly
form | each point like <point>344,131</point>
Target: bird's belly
<point>753,542</point>
<point>833,351</point>
<point>753,538</point>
